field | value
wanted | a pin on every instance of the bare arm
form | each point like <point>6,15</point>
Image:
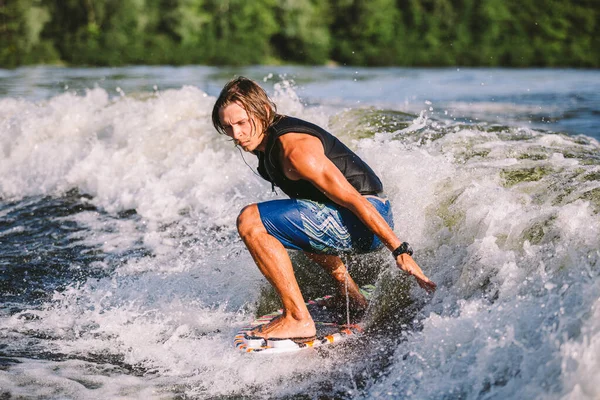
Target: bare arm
<point>303,157</point>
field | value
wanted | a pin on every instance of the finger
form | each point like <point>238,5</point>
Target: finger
<point>428,285</point>
<point>431,286</point>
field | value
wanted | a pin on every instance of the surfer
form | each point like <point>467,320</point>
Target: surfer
<point>336,204</point>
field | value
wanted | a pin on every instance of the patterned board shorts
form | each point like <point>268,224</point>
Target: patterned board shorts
<point>322,228</point>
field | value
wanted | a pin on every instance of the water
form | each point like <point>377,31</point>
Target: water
<point>123,276</point>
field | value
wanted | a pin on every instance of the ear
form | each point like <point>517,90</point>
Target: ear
<point>268,111</point>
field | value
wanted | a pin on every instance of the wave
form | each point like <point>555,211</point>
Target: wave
<point>504,219</point>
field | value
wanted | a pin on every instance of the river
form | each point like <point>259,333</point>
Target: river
<point>122,275</point>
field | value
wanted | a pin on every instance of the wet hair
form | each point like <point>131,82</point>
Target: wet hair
<point>251,97</point>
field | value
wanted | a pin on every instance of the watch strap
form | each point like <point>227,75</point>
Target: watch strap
<point>403,248</point>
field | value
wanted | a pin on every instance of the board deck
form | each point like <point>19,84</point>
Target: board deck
<point>329,322</point>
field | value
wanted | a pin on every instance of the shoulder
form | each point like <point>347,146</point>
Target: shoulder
<point>297,143</point>
<point>296,140</point>
<point>300,154</point>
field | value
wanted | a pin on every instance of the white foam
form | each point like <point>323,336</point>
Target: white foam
<point>514,315</point>
<point>581,363</point>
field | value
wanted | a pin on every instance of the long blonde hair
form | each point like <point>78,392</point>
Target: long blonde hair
<point>251,97</point>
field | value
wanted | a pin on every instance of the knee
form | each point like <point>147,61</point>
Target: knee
<point>248,222</point>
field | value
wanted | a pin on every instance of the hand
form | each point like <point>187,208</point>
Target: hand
<point>408,265</point>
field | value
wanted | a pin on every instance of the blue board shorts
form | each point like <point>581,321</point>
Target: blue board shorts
<point>322,228</point>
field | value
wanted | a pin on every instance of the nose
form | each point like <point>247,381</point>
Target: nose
<point>236,132</point>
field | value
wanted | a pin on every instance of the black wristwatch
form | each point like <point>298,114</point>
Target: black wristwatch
<point>403,248</point>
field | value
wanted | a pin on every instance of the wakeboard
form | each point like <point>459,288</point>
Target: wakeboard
<point>331,323</point>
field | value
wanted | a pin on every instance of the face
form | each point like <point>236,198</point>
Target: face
<point>238,126</point>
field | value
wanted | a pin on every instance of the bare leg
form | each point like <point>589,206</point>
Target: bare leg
<point>273,261</point>
<point>336,268</point>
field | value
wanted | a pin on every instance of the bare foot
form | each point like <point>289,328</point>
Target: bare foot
<point>284,327</point>
<point>261,329</point>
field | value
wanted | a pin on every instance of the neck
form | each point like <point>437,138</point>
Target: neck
<point>263,143</point>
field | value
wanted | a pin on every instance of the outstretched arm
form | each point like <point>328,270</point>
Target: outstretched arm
<point>303,157</point>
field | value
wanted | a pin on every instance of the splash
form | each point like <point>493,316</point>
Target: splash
<point>504,219</point>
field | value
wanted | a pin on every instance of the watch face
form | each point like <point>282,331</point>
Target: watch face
<point>403,248</point>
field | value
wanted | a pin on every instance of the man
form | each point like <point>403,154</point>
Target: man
<point>336,204</point>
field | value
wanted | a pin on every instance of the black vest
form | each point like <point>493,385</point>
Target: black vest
<point>356,171</point>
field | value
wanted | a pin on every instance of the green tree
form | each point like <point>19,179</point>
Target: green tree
<point>365,31</point>
<point>240,31</point>
<point>357,32</point>
<point>499,34</point>
<point>186,22</point>
<point>583,41</point>
<point>562,31</point>
<point>303,35</point>
<point>21,24</point>
<point>466,33</point>
<point>74,22</point>
<point>112,32</point>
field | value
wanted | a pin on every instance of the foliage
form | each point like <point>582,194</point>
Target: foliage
<point>303,35</point>
<point>21,24</point>
<point>365,31</point>
<point>514,33</point>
